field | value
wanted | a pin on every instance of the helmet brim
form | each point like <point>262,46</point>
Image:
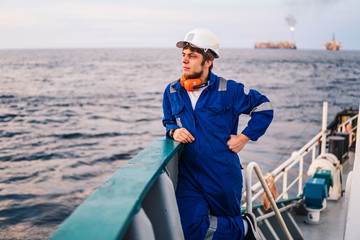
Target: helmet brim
<point>182,44</point>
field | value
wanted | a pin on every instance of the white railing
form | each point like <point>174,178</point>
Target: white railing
<point>281,173</point>
<point>297,158</point>
<point>347,127</point>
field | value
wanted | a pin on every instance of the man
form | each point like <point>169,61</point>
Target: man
<point>202,111</point>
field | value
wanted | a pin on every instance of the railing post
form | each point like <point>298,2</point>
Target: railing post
<point>324,127</point>
<point>248,188</point>
<point>162,210</point>
<point>301,165</point>
<point>285,178</point>
<point>140,228</point>
<point>313,154</point>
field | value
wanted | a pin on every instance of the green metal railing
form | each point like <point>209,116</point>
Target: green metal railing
<point>108,212</point>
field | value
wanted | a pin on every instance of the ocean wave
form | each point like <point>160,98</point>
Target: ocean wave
<point>20,178</point>
<point>7,117</point>
<point>4,134</point>
<point>77,135</point>
<point>40,213</point>
<point>6,96</point>
<point>33,157</point>
<point>78,177</point>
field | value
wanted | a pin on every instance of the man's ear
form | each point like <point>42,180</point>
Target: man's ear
<point>208,63</point>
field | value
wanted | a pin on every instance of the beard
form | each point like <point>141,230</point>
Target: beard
<point>194,75</point>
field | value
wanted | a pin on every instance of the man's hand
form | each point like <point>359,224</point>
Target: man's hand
<point>237,143</point>
<point>183,135</point>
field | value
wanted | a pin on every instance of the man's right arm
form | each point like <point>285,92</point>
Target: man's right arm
<point>169,121</point>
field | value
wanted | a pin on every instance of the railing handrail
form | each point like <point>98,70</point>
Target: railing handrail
<point>109,210</point>
<point>341,127</point>
<point>254,166</point>
<point>347,122</point>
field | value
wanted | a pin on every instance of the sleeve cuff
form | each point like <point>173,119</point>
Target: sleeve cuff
<point>168,127</point>
<point>250,134</point>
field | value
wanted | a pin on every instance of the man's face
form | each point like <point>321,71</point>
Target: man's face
<point>192,64</point>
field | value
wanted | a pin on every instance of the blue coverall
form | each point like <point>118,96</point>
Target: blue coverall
<point>210,181</point>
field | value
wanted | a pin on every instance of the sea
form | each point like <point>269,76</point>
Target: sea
<point>70,118</point>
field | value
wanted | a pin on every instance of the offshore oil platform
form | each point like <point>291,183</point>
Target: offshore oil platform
<point>333,45</point>
<point>276,45</point>
<point>281,45</point>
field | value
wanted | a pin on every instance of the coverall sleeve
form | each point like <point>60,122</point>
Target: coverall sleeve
<point>257,106</point>
<point>169,120</point>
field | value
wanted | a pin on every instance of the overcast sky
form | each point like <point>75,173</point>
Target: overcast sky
<point>160,23</point>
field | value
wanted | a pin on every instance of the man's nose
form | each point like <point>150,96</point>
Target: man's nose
<point>185,59</point>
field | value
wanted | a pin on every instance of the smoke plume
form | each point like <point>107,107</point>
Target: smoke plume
<point>291,21</point>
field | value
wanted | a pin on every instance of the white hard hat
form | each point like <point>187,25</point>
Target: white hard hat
<point>201,38</point>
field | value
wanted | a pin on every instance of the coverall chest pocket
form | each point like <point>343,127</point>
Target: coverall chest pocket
<point>219,118</point>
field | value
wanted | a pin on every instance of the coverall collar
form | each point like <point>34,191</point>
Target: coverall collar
<point>212,79</point>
